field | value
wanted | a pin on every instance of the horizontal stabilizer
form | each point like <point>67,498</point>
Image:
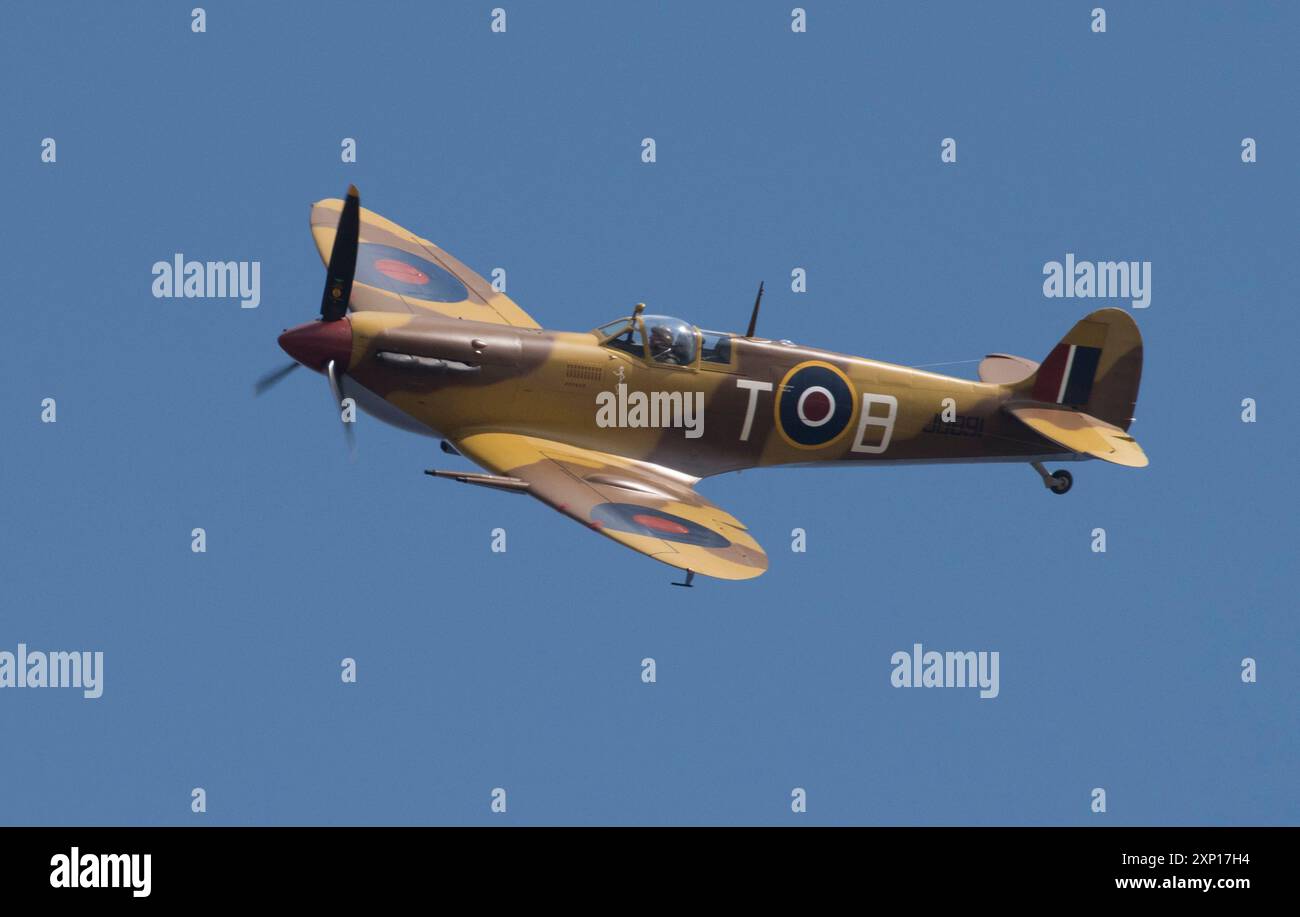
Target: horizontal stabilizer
<point>1082,433</point>
<point>1004,369</point>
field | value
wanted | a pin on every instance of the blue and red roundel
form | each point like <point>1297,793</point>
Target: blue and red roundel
<point>644,520</point>
<point>401,272</point>
<point>814,405</point>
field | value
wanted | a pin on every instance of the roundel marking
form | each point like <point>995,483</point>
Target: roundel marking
<point>645,520</point>
<point>402,272</point>
<point>660,525</point>
<point>815,405</point>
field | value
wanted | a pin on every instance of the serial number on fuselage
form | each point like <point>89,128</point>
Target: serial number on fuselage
<point>961,425</point>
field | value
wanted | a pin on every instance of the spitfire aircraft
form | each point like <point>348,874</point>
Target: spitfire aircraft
<point>614,427</point>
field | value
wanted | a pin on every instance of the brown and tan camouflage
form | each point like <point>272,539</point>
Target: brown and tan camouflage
<point>525,403</point>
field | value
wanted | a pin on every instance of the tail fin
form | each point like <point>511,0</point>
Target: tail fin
<point>1095,368</point>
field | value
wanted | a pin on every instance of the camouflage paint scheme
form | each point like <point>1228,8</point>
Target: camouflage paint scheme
<point>520,401</point>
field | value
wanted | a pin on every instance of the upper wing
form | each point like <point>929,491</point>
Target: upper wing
<point>1080,432</point>
<point>648,508</point>
<point>397,271</point>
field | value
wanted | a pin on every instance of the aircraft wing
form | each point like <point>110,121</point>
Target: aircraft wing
<point>648,508</point>
<point>1080,432</point>
<point>397,271</point>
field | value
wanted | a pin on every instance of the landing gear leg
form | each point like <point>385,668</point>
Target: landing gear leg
<point>1059,482</point>
<point>690,576</point>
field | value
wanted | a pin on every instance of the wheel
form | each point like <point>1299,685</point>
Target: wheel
<point>1064,481</point>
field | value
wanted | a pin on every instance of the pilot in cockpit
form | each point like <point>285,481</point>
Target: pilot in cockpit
<point>669,344</point>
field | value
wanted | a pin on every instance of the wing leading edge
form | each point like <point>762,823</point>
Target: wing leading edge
<point>649,509</point>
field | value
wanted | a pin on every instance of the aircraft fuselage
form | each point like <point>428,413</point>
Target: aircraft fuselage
<point>768,403</point>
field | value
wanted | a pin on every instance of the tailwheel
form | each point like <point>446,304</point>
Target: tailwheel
<point>1059,482</point>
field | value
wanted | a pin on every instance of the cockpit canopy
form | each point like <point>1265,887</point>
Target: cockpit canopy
<point>665,340</point>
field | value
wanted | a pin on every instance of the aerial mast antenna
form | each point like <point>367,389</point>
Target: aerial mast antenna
<point>753,317</point>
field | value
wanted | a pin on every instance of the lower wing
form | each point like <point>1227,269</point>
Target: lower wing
<point>645,507</point>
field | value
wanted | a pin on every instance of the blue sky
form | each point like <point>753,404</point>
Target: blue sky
<point>522,670</point>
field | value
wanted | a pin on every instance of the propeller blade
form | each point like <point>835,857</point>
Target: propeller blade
<point>343,260</point>
<point>270,379</point>
<point>335,377</point>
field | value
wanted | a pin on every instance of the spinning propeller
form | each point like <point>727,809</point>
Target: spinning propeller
<point>325,345</point>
